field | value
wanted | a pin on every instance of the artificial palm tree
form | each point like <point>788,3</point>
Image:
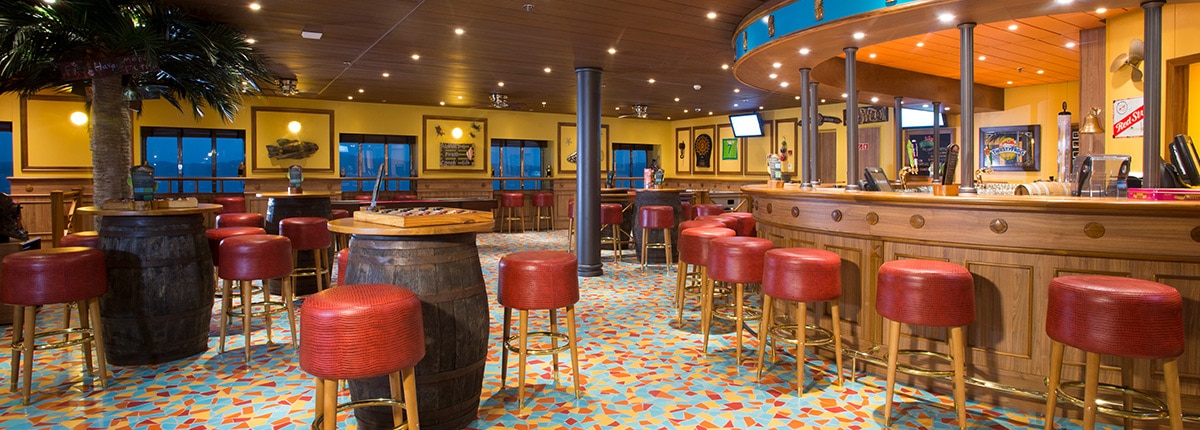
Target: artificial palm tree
<point>115,51</point>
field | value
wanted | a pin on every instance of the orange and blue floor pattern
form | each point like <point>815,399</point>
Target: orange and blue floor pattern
<point>641,369</point>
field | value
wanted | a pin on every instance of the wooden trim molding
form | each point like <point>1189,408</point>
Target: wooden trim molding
<point>330,144</point>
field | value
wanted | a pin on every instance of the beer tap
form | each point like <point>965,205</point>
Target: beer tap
<point>903,175</point>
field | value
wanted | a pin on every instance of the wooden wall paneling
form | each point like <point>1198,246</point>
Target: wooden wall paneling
<point>564,193</point>
<point>1189,288</point>
<point>1093,71</point>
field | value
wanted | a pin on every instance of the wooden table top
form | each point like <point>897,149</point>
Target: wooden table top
<point>199,209</point>
<point>353,226</point>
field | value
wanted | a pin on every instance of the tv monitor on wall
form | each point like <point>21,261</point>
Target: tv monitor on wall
<point>917,118</point>
<point>746,124</point>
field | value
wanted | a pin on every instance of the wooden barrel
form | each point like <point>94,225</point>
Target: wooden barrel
<point>160,288</point>
<point>656,198</point>
<point>279,208</point>
<point>1043,188</point>
<point>444,271</point>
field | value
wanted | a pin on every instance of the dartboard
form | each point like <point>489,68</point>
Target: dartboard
<point>703,144</point>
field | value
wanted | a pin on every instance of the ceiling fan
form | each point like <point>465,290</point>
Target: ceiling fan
<point>640,111</point>
<point>1133,59</point>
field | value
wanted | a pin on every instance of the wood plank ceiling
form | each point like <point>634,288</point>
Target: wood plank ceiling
<point>508,46</point>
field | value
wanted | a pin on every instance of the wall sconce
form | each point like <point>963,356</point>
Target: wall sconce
<point>456,132</point>
<point>79,118</point>
<point>294,126</point>
<point>287,87</point>
<point>1091,122</point>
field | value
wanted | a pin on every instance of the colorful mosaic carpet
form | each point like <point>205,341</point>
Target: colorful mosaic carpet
<point>641,369</point>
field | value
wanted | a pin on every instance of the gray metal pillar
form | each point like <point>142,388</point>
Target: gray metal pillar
<point>1152,129</point>
<point>811,117</point>
<point>587,179</point>
<point>851,120</point>
<point>935,169</point>
<point>966,165</point>
<point>806,145</point>
<point>898,131</point>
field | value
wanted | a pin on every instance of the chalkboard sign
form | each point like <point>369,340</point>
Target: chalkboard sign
<point>458,154</point>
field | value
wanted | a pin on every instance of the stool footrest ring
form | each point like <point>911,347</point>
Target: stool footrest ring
<point>343,407</point>
<point>786,333</point>
<point>86,335</point>
<point>729,313</point>
<point>276,307</point>
<point>921,371</point>
<point>510,343</point>
<point>1155,410</point>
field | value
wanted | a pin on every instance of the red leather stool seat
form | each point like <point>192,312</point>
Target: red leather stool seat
<point>339,214</point>
<point>687,211</point>
<point>231,204</point>
<point>926,292</point>
<point>571,209</point>
<point>533,280</point>
<point>802,274</point>
<point>543,199</point>
<point>306,233</point>
<point>255,256</point>
<point>731,223</point>
<point>1111,315</point>
<point>89,239</point>
<point>745,226</point>
<point>656,217</point>
<point>360,331</point>
<point>239,219</point>
<point>611,213</point>
<point>707,209</point>
<point>512,200</point>
<point>694,243</point>
<point>737,259</point>
<point>698,223</point>
<point>216,235</point>
<point>343,258</point>
<point>54,275</point>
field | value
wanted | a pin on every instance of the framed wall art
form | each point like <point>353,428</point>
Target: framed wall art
<point>454,143</point>
<point>1010,148</point>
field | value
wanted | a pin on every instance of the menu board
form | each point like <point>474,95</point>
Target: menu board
<point>458,154</point>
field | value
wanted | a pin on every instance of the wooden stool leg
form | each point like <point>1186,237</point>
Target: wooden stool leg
<point>246,308</point>
<point>645,247</point>
<point>267,316</point>
<point>522,354</point>
<point>668,248</point>
<point>27,343</point>
<point>837,338</point>
<point>574,345</point>
<point>763,326</point>
<point>680,284</point>
<point>801,350</point>
<point>329,403</point>
<point>289,302</point>
<point>86,324</point>
<point>396,388</point>
<point>737,321</point>
<point>1174,401</point>
<point>504,347</point>
<point>958,361</point>
<point>893,350</point>
<point>554,342</point>
<point>18,331</point>
<point>1127,381</point>
<point>226,304</point>
<point>1056,358</point>
<point>319,400</point>
<point>1090,387</point>
<point>706,305</point>
<point>410,399</point>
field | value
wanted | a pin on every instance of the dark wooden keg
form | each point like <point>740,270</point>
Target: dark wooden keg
<point>444,271</point>
<point>664,197</point>
<point>160,288</point>
<point>279,208</point>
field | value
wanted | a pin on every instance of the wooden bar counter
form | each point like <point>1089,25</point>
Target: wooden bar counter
<point>1014,246</point>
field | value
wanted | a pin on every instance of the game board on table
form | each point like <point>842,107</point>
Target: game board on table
<point>422,216</point>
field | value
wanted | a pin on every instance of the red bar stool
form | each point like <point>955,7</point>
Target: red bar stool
<point>343,258</point>
<point>40,277</point>
<point>512,208</point>
<point>693,257</point>
<point>255,257</point>
<point>929,293</point>
<point>687,210</point>
<point>611,217</point>
<point>745,226</point>
<point>571,226</point>
<point>707,209</point>
<point>339,214</point>
<point>87,239</point>
<point>230,204</point>
<point>656,218</point>
<point>738,261</point>
<point>1125,317</point>
<point>309,234</point>
<point>543,200</point>
<point>730,222</point>
<point>340,241</point>
<point>537,280</point>
<point>239,219</point>
<point>801,275</point>
<point>362,331</point>
<point>216,235</point>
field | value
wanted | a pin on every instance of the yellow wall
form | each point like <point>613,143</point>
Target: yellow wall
<point>1032,105</point>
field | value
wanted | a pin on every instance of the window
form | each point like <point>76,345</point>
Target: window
<point>630,161</point>
<point>515,158</point>
<point>362,154</point>
<point>6,158</point>
<point>195,153</point>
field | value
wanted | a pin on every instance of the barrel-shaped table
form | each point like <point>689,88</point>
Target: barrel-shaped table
<point>656,197</point>
<point>160,284</point>
<point>282,205</point>
<point>440,264</point>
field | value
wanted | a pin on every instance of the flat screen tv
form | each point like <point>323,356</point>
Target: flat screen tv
<point>917,118</point>
<point>746,124</point>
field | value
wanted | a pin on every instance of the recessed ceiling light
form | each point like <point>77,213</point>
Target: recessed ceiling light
<point>735,105</point>
<point>1040,71</point>
<point>822,100</point>
<point>543,104</point>
<point>618,108</point>
<point>255,6</point>
<point>677,99</point>
<point>871,55</point>
<point>1102,10</point>
<point>710,112</point>
<point>844,95</point>
<point>386,74</point>
<point>459,31</point>
<point>1012,27</point>
<point>776,64</point>
<point>460,97</point>
<point>1070,45</point>
<point>859,35</point>
<point>547,70</point>
<point>946,17</point>
<point>349,97</point>
<point>946,108</point>
<point>773,75</point>
<point>251,40</point>
<point>797,97</point>
<point>500,84</point>
<point>360,90</point>
<point>920,44</point>
<point>874,99</point>
<point>612,50</point>
<point>668,118</point>
<point>712,15</point>
<point>783,84</point>
<point>982,57</point>
<point>1010,82</point>
<point>685,111</point>
<point>804,51</point>
<point>760,108</point>
<point>737,90</point>
<point>925,105</point>
<point>442,103</point>
<point>724,67</point>
<point>1064,1</point>
<point>651,80</point>
<point>416,56</point>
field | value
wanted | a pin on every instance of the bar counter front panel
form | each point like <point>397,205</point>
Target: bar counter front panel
<point>1013,246</point>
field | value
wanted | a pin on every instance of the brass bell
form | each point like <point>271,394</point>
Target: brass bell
<point>1091,122</point>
